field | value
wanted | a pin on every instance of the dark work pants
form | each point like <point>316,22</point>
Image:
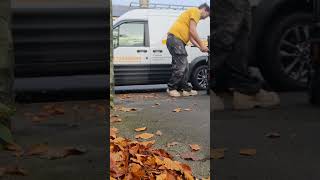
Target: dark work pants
<point>229,63</point>
<point>180,66</point>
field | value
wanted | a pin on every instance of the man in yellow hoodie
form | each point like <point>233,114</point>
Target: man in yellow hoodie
<point>181,32</point>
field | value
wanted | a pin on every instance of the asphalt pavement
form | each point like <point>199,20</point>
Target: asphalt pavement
<point>292,156</point>
<point>79,124</point>
<point>155,111</point>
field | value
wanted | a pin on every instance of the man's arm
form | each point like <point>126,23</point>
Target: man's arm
<point>194,42</point>
<point>194,35</point>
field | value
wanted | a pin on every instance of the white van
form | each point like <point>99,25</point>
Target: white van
<point>140,52</point>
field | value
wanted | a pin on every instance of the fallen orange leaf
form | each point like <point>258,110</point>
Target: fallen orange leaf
<point>115,118</point>
<point>140,129</point>
<point>177,110</point>
<point>194,147</point>
<point>148,143</point>
<point>189,156</point>
<point>37,149</point>
<point>13,170</point>
<point>144,136</point>
<point>217,153</point>
<point>159,133</point>
<point>248,152</point>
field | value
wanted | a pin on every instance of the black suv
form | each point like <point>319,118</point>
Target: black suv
<point>280,42</point>
<point>60,38</point>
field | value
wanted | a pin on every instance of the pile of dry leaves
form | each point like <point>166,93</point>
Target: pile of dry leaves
<point>138,160</point>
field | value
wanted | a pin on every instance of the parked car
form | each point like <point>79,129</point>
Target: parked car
<point>140,52</point>
<point>280,42</point>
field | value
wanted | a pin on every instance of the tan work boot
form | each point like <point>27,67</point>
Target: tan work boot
<point>243,101</point>
<point>173,93</point>
<point>267,99</point>
<point>262,99</point>
<point>217,102</point>
<point>189,93</point>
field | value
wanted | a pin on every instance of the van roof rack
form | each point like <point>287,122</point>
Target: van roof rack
<point>160,6</point>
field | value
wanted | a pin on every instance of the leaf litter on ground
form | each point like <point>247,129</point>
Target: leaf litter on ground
<point>135,160</point>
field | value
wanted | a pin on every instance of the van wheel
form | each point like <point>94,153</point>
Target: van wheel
<point>199,77</point>
<point>286,62</point>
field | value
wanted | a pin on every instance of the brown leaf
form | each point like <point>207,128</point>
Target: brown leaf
<point>136,170</point>
<point>13,170</point>
<point>162,176</point>
<point>248,152</point>
<point>273,135</point>
<point>159,133</point>
<point>124,109</point>
<point>59,153</point>
<point>18,151</point>
<point>115,118</point>
<point>217,153</point>
<point>13,147</point>
<point>144,136</point>
<point>177,110</point>
<point>37,149</point>
<point>148,143</point>
<point>141,129</point>
<point>189,156</point>
<point>58,111</point>
<point>113,132</point>
<point>172,144</point>
<point>42,116</point>
<point>171,165</point>
<point>194,147</point>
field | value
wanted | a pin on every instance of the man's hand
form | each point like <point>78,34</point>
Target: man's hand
<point>204,49</point>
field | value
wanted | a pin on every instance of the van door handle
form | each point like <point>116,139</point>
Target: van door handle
<point>158,51</point>
<point>142,51</point>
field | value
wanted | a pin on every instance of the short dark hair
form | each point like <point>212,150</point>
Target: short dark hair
<point>205,6</point>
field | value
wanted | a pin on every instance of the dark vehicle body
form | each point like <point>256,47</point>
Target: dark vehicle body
<point>60,38</point>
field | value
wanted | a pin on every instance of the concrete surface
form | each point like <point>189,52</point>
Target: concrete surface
<point>295,155</point>
<point>184,127</point>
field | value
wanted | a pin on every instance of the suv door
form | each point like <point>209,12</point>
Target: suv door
<point>131,53</point>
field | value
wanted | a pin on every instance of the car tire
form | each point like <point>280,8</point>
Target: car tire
<point>272,66</point>
<point>195,81</point>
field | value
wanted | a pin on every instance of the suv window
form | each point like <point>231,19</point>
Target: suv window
<point>129,35</point>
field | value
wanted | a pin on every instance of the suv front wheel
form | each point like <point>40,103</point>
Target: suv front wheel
<point>286,52</point>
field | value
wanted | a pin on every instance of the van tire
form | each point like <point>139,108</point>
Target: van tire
<point>194,80</point>
<point>271,66</point>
